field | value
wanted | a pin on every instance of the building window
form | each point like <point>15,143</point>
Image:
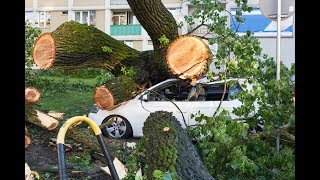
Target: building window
<point>44,19</point>
<point>30,18</point>
<point>38,19</point>
<point>64,12</point>
<point>86,17</point>
<point>119,18</point>
<point>124,18</point>
<point>150,42</point>
<point>132,19</point>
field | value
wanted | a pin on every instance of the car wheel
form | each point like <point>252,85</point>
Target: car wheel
<point>119,127</point>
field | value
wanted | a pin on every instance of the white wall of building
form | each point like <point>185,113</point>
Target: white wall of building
<point>287,50</point>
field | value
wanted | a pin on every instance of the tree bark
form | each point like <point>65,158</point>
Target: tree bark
<point>157,21</point>
<point>168,148</point>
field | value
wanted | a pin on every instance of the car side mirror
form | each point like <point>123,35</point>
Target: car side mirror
<point>145,97</point>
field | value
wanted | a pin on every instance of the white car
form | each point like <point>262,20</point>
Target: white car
<point>172,95</point>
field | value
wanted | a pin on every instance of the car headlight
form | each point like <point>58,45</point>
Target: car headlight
<point>94,109</point>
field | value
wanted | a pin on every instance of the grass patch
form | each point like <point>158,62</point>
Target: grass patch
<point>86,81</point>
<point>72,103</point>
<point>72,96</point>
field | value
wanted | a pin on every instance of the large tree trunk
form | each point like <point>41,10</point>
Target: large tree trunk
<point>168,148</point>
<point>74,45</point>
<point>187,57</point>
<point>157,21</point>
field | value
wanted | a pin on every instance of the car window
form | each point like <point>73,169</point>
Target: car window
<point>215,92</point>
<point>181,91</point>
<point>177,91</point>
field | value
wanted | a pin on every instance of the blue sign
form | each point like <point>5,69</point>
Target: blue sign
<point>260,25</point>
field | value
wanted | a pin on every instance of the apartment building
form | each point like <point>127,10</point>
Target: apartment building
<point>116,19</point>
<point>111,16</point>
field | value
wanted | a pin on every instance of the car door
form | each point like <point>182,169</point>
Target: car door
<point>168,98</point>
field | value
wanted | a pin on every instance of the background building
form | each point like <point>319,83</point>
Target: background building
<point>116,19</point>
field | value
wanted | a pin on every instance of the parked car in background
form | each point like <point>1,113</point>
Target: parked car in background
<point>172,95</point>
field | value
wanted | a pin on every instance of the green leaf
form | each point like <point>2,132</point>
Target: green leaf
<point>157,173</point>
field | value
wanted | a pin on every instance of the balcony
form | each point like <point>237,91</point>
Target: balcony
<point>123,30</point>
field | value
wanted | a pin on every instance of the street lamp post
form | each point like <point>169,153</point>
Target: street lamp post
<point>278,39</point>
<point>274,11</point>
<point>278,57</point>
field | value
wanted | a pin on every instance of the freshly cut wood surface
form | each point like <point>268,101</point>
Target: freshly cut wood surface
<point>56,115</point>
<point>32,95</point>
<point>103,97</point>
<point>116,91</point>
<point>47,121</point>
<point>44,51</point>
<point>188,57</point>
<point>27,141</point>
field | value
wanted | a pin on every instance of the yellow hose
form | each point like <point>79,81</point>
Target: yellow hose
<point>76,119</point>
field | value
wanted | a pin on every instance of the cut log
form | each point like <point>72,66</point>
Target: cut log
<point>188,57</point>
<point>27,141</point>
<point>32,95</point>
<point>41,119</point>
<point>74,45</point>
<point>56,115</point>
<point>168,148</point>
<point>116,91</point>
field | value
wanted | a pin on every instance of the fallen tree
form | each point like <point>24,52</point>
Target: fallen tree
<point>74,45</point>
<point>168,148</point>
<point>188,57</point>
